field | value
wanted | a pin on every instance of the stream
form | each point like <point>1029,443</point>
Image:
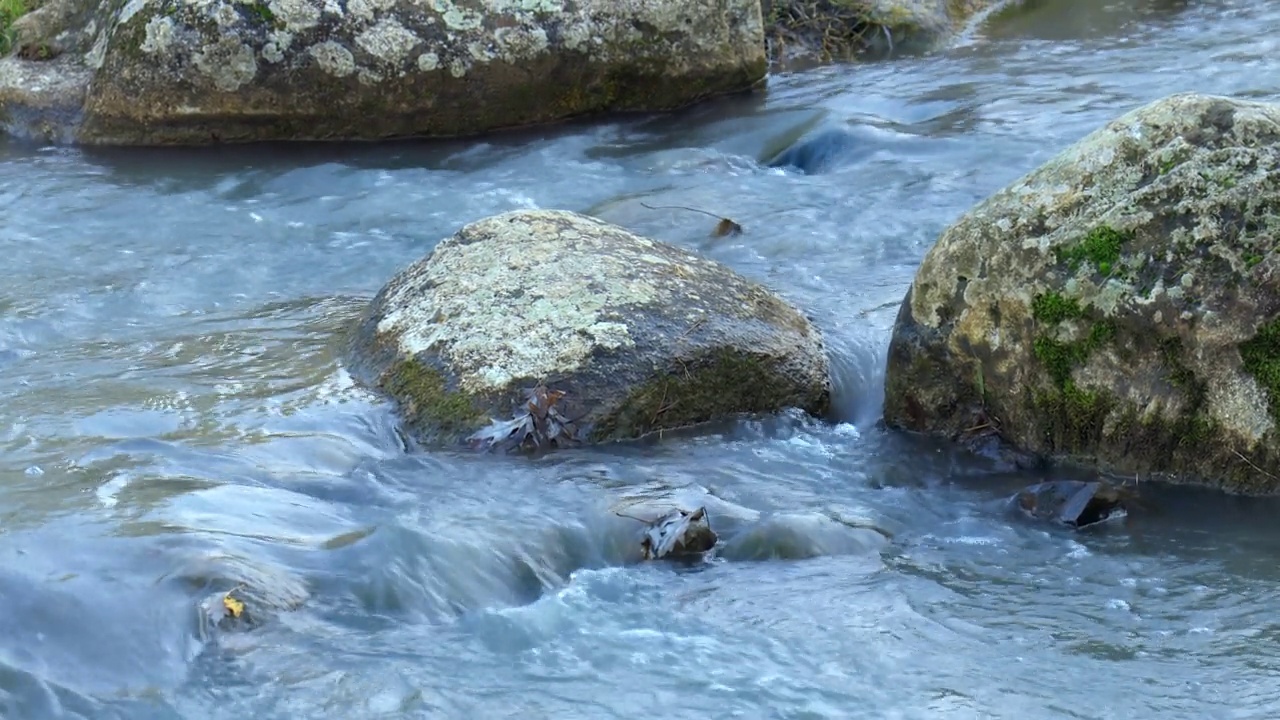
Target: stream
<point>175,420</point>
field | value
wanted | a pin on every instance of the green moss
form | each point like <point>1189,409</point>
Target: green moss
<point>10,11</point>
<point>1059,358</point>
<point>1252,259</point>
<point>427,403</point>
<point>1101,247</point>
<point>1053,308</point>
<point>1261,357</point>
<point>1179,374</point>
<point>1102,332</point>
<point>261,11</point>
<point>718,385</point>
<point>1073,418</point>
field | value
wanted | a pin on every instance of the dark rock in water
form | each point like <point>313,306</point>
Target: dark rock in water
<point>680,534</point>
<point>1073,503</point>
<point>817,152</point>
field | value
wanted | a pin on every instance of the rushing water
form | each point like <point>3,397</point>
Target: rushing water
<point>175,420</point>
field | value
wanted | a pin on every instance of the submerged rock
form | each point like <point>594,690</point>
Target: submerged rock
<point>171,71</point>
<point>817,152</point>
<point>566,318</point>
<point>1118,307</point>
<point>1073,503</point>
<point>802,31</point>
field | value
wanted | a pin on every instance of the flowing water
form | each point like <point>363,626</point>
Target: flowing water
<point>175,421</point>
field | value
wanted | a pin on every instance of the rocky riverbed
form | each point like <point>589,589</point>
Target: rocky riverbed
<point>205,515</point>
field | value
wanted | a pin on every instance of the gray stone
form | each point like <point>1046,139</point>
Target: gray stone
<point>1117,308</point>
<point>620,335</point>
<point>195,71</point>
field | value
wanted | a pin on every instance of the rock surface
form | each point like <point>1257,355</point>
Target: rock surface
<point>624,335</point>
<point>1074,503</point>
<point>1118,307</point>
<point>807,31</point>
<point>195,71</point>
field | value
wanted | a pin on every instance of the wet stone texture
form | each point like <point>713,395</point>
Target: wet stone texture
<point>1117,307</point>
<point>195,71</point>
<point>533,311</point>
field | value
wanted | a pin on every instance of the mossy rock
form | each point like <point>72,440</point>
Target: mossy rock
<point>1119,307</point>
<point>630,335</point>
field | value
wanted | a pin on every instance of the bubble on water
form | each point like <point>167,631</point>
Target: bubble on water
<point>34,471</point>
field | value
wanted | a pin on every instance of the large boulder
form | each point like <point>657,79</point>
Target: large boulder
<point>537,327</point>
<point>195,71</point>
<point>1118,307</point>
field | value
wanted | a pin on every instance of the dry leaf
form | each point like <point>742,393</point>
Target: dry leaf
<point>726,227</point>
<point>234,607</point>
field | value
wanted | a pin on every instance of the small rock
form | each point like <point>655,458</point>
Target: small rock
<point>1074,503</point>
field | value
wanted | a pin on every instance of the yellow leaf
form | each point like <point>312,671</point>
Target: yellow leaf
<point>233,606</point>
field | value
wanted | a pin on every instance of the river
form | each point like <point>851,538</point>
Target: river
<point>175,420</point>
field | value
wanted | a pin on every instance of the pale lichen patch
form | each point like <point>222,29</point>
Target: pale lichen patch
<point>278,44</point>
<point>131,8</point>
<point>229,63</point>
<point>226,16</point>
<point>458,18</point>
<point>158,35</point>
<point>428,62</point>
<point>333,58</point>
<point>388,41</point>
<point>297,15</point>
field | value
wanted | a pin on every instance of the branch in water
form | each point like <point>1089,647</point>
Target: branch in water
<point>723,228</point>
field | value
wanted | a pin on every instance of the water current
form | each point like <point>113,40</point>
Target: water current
<point>175,420</point>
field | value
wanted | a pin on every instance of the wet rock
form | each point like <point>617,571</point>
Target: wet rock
<point>817,152</point>
<point>593,332</point>
<point>170,72</point>
<point>1118,307</point>
<point>1074,503</point>
<point>679,535</point>
<point>808,31</point>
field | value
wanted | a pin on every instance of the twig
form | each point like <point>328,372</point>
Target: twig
<point>1255,467</point>
<point>681,207</point>
<point>632,517</point>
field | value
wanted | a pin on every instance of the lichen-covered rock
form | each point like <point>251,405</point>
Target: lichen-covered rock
<point>621,334</point>
<point>1117,307</point>
<point>192,71</point>
<point>805,31</point>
